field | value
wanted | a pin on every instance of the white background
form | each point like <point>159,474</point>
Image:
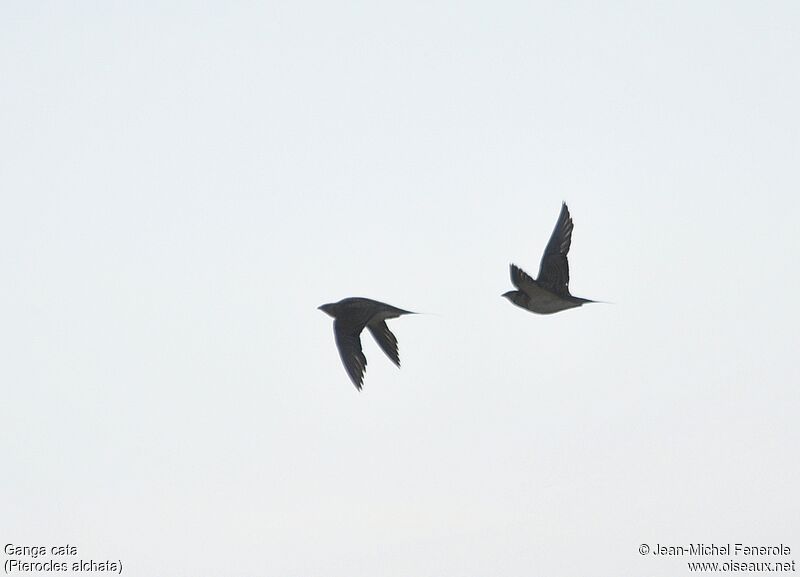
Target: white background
<point>183,183</point>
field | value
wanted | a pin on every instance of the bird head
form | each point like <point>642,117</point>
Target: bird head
<point>328,309</point>
<point>509,295</point>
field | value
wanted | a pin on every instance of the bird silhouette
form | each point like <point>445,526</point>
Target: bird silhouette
<point>549,293</point>
<point>350,316</point>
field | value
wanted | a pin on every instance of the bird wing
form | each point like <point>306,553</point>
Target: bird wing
<point>554,268</point>
<point>521,279</point>
<point>386,340</point>
<point>348,341</point>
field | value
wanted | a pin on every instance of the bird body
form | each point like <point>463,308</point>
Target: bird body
<point>549,292</point>
<point>351,316</point>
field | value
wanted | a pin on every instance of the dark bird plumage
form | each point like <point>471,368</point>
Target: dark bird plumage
<point>350,316</point>
<point>549,293</point>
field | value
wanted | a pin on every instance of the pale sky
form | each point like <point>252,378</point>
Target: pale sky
<point>183,183</point>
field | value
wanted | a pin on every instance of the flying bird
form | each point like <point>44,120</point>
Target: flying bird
<point>350,316</point>
<point>549,293</point>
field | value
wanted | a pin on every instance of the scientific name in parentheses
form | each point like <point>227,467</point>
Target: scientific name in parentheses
<point>724,549</point>
<point>18,566</point>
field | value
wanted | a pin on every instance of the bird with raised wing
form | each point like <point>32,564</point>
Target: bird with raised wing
<point>350,316</point>
<point>549,293</point>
